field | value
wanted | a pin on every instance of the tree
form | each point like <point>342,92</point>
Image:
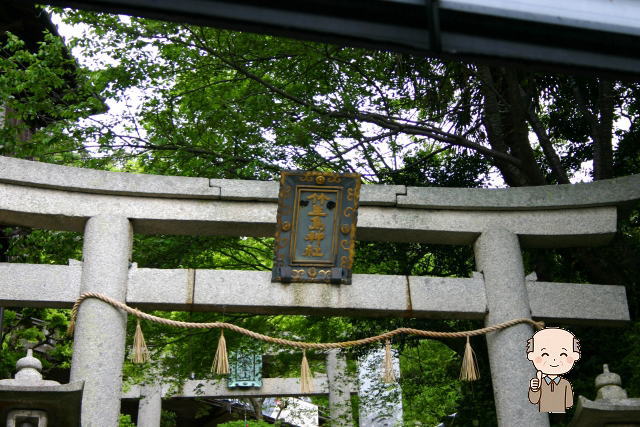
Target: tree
<point>250,100</point>
<point>42,94</point>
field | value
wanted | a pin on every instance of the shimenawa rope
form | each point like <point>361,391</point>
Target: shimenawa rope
<point>469,371</point>
<point>297,344</point>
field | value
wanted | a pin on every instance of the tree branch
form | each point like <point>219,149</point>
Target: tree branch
<point>363,116</point>
<point>545,142</point>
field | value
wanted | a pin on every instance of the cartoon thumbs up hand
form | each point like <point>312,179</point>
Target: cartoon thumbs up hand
<point>535,382</point>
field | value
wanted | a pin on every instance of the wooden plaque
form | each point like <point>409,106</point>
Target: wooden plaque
<point>316,227</point>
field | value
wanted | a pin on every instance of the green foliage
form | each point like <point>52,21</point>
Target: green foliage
<point>416,259</point>
<point>45,247</point>
<point>43,94</point>
<point>40,328</point>
<point>168,419</point>
<point>231,253</point>
<point>430,389</point>
<point>248,423</point>
<point>125,421</point>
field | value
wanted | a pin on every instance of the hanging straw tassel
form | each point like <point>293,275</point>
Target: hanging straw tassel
<point>469,370</point>
<point>306,378</point>
<point>221,361</point>
<point>388,377</point>
<point>72,322</point>
<point>140,350</point>
<point>72,327</point>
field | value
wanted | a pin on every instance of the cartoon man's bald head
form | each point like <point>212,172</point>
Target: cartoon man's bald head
<point>553,351</point>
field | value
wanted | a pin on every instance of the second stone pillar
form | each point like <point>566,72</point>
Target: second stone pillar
<point>499,258</point>
<point>339,390</point>
<point>150,406</point>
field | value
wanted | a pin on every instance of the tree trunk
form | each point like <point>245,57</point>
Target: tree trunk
<point>603,168</point>
<point>518,135</point>
<point>494,127</point>
<point>601,125</point>
<point>506,122</point>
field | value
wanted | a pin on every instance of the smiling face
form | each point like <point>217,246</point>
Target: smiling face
<point>553,351</point>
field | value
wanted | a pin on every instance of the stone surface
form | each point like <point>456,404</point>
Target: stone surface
<point>253,291</point>
<point>62,402</point>
<point>499,258</point>
<point>46,175</point>
<point>607,378</point>
<point>552,228</point>
<point>27,418</point>
<point>108,203</point>
<point>64,210</point>
<point>150,406</point>
<point>609,385</point>
<point>578,303</point>
<point>380,195</point>
<point>600,193</point>
<point>339,389</point>
<point>448,298</point>
<point>238,189</point>
<point>161,289</point>
<point>99,340</point>
<point>38,285</point>
<point>598,413</point>
<point>612,407</point>
<point>432,297</point>
<point>267,191</point>
<point>28,373</point>
<point>271,387</point>
<point>29,395</point>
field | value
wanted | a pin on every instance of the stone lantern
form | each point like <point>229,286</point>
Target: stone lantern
<point>612,407</point>
<point>29,401</point>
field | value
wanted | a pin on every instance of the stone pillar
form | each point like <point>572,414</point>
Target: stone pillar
<point>150,406</point>
<point>100,332</point>
<point>339,390</point>
<point>498,256</point>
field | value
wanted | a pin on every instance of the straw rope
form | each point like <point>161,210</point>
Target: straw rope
<point>297,344</point>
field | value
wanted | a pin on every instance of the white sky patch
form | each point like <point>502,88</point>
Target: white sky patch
<point>122,115</point>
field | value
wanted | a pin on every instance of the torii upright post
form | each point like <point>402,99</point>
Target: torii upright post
<point>498,257</point>
<point>100,333</point>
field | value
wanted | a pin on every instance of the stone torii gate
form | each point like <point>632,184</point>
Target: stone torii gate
<point>110,206</point>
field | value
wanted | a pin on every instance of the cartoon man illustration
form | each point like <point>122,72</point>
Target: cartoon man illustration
<point>553,352</point>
